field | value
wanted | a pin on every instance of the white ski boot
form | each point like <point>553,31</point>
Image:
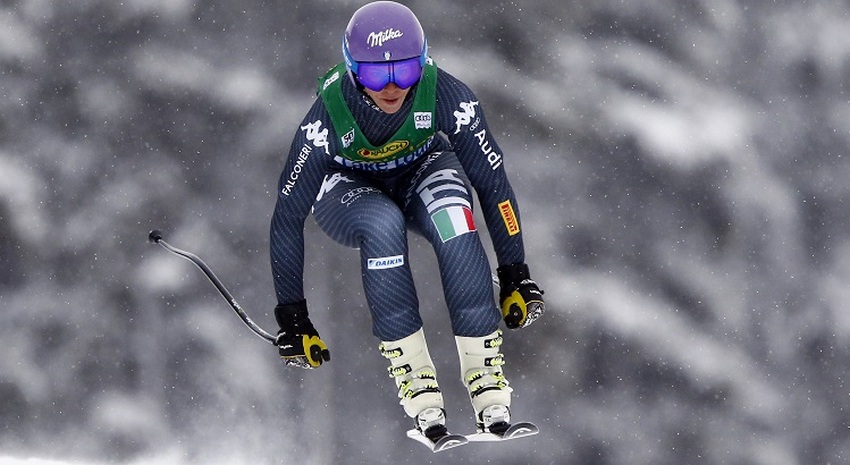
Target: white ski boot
<point>481,368</point>
<point>416,379</point>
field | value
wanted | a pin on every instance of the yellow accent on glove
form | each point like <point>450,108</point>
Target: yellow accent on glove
<point>522,306</point>
<point>304,351</point>
<point>315,350</point>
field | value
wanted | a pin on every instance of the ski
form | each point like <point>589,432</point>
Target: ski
<point>513,431</point>
<point>438,443</point>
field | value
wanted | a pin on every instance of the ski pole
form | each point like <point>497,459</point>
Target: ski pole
<point>155,237</point>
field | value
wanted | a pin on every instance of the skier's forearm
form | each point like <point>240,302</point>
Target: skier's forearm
<point>500,210</point>
<point>503,224</point>
<point>286,248</point>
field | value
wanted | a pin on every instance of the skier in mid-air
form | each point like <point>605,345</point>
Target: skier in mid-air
<point>392,143</point>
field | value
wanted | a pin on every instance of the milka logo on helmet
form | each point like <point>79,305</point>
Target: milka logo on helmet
<point>376,39</point>
<point>386,151</point>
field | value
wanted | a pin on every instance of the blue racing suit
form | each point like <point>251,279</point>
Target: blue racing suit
<point>371,205</point>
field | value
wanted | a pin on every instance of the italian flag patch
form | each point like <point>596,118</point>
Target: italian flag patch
<point>453,221</point>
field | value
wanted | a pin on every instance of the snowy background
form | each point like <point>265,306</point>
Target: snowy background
<point>682,168</point>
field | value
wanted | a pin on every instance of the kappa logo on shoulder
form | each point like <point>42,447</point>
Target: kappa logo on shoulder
<point>317,135</point>
<point>465,116</point>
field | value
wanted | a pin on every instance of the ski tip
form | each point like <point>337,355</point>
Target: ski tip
<point>514,431</point>
<point>449,441</point>
<point>521,430</point>
<point>155,236</point>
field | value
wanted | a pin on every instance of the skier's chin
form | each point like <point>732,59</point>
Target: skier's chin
<point>390,105</point>
<point>389,99</point>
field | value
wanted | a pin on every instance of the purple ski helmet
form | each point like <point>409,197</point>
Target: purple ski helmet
<point>383,31</point>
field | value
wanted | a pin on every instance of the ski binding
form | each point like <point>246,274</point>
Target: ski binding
<point>512,431</point>
<point>438,443</point>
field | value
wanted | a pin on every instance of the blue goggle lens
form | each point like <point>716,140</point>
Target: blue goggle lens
<point>376,76</point>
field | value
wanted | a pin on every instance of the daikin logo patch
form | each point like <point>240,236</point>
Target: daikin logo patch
<point>384,263</point>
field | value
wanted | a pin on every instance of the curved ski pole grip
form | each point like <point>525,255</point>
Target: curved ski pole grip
<point>155,237</point>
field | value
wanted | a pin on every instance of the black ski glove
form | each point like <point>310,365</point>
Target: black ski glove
<point>520,298</point>
<point>298,341</point>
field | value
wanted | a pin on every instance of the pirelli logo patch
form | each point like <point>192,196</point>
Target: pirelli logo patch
<point>509,217</point>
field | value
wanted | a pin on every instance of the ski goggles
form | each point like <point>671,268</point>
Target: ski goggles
<point>376,76</point>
